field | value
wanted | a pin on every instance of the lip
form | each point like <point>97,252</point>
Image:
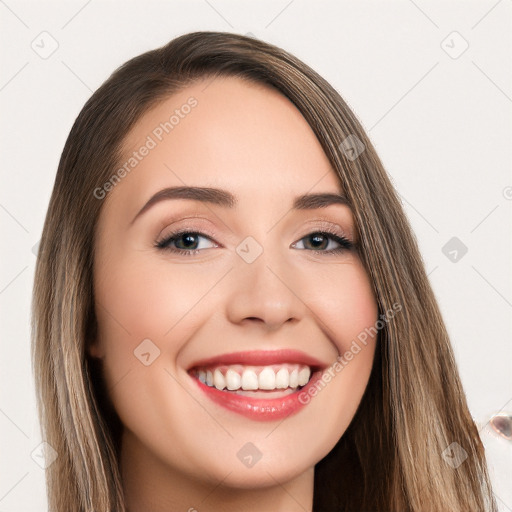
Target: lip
<point>260,409</point>
<point>262,358</point>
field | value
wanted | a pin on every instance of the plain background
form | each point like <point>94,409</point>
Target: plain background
<point>438,114</point>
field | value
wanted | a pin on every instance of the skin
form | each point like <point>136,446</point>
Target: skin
<point>179,448</point>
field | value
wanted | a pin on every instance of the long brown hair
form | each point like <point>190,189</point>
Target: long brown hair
<point>391,456</point>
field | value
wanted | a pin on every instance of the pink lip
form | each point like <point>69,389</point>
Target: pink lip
<point>260,409</point>
<point>262,358</point>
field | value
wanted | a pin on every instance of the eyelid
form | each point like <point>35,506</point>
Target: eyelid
<point>330,227</point>
<point>171,228</point>
<point>318,225</point>
<point>179,231</point>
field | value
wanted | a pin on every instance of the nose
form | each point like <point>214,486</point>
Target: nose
<point>264,292</point>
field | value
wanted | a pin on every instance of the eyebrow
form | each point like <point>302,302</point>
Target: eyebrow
<point>226,199</point>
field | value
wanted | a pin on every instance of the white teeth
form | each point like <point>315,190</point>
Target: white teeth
<point>304,376</point>
<point>282,378</point>
<point>294,378</point>
<point>249,380</point>
<point>233,380</point>
<point>218,380</point>
<point>267,379</point>
<point>238,377</point>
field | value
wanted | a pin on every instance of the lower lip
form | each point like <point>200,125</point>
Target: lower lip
<point>260,409</point>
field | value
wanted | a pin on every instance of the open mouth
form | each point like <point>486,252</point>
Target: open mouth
<point>262,385</point>
<point>270,381</point>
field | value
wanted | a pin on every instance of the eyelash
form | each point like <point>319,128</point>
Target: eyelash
<point>345,244</point>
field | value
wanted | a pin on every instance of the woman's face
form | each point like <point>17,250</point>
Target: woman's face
<point>259,279</point>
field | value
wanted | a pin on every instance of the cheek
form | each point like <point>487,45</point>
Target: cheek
<point>347,308</point>
<point>142,298</point>
<point>344,300</point>
<point>141,306</point>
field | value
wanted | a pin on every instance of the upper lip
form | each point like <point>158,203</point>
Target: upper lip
<point>262,358</point>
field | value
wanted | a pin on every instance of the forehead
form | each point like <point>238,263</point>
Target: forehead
<point>242,136</point>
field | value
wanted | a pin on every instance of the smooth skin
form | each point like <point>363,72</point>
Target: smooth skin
<point>179,449</point>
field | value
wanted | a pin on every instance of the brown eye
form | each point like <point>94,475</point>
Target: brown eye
<point>183,242</point>
<point>318,241</point>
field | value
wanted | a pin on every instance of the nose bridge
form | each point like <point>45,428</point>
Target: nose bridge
<point>263,287</point>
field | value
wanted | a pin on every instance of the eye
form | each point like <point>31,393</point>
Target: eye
<point>318,241</point>
<point>183,242</point>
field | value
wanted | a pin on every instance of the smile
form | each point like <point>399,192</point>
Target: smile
<point>263,392</point>
<point>253,378</point>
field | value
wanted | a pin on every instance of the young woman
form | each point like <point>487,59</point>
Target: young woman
<point>230,309</point>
